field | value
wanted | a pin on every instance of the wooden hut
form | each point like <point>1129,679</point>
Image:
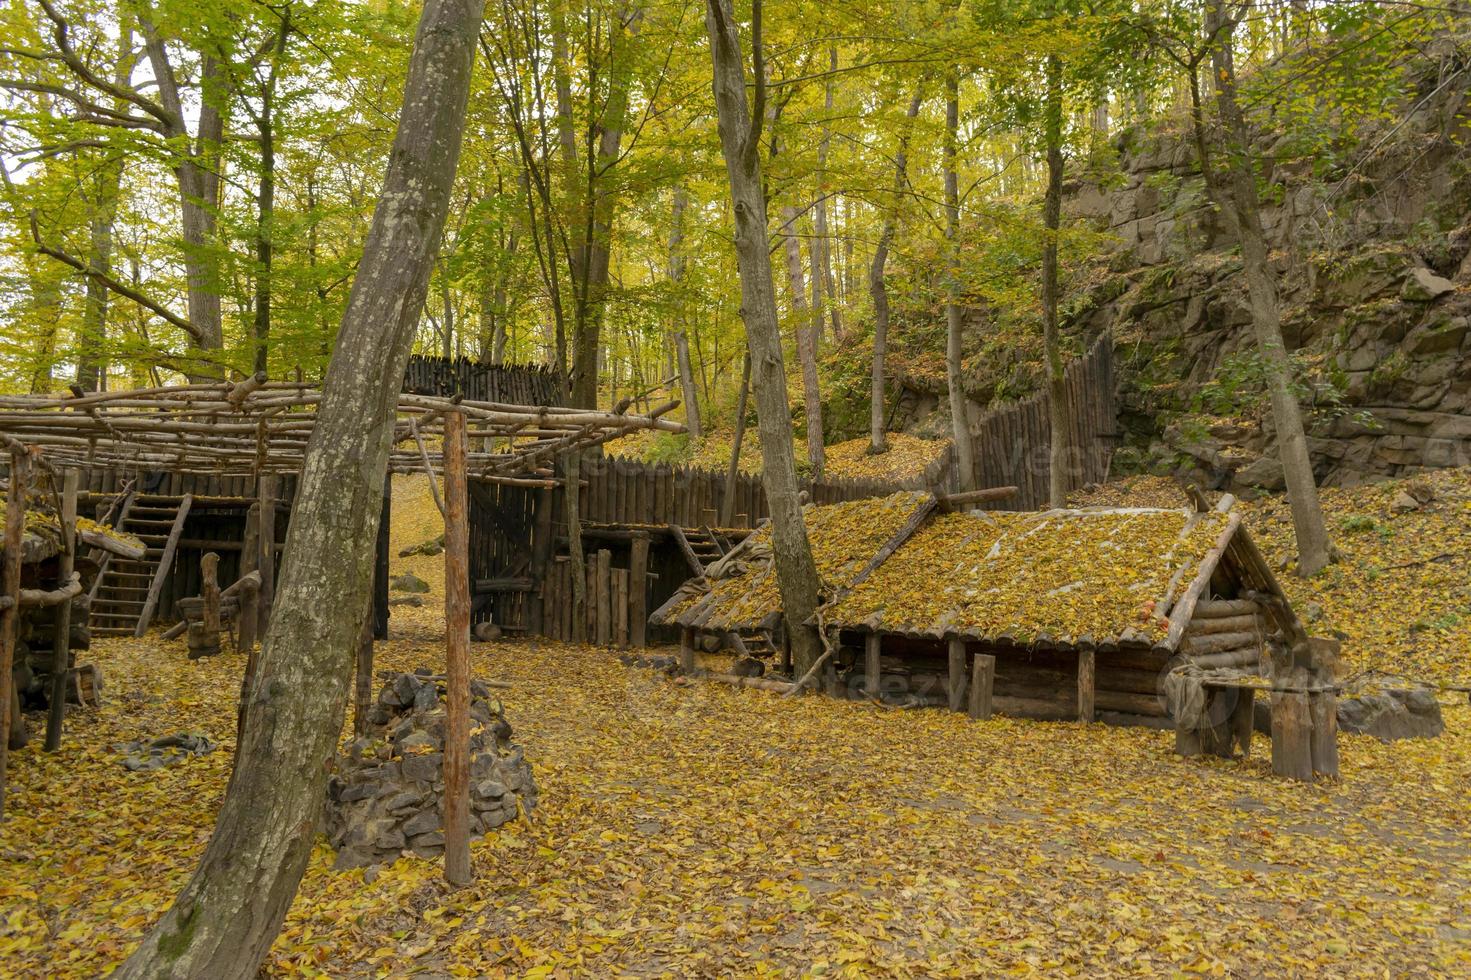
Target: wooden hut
<point>1167,618</point>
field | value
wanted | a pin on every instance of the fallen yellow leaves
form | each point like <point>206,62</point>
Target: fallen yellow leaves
<point>907,458</point>
<point>710,831</point>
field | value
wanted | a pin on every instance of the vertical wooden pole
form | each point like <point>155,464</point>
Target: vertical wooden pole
<point>602,596</point>
<point>380,563</point>
<point>15,523</point>
<point>457,669</point>
<point>247,622</point>
<point>638,589</point>
<point>872,664</point>
<point>267,561</point>
<point>1086,669</point>
<point>204,638</point>
<point>982,683</point>
<point>686,650</point>
<point>541,553</point>
<point>363,681</point>
<point>1324,711</point>
<point>61,642</point>
<point>956,684</point>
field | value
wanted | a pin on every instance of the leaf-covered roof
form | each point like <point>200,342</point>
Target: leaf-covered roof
<point>846,538</point>
<point>1058,576</point>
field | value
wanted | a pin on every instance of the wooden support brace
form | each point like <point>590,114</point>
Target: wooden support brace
<point>956,675</point>
<point>872,666</point>
<point>982,682</point>
<point>1086,673</point>
<point>1292,725</point>
<point>686,650</point>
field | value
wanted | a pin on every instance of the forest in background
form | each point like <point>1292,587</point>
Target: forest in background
<point>187,186</point>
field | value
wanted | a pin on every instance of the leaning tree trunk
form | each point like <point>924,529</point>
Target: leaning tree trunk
<point>954,351</point>
<point>796,574</point>
<point>224,921</point>
<point>1240,204</point>
<point>1062,453</point>
<point>878,439</point>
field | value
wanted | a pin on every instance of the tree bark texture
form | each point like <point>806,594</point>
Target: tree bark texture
<point>1242,208</point>
<point>223,922</point>
<point>739,127</point>
<point>954,349</point>
<point>1063,455</point>
<point>878,438</point>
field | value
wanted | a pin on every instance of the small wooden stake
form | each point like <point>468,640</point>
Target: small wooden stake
<point>1324,712</point>
<point>871,664</point>
<point>956,686</point>
<point>686,650</point>
<point>204,637</point>
<point>982,682</point>
<point>602,597</point>
<point>457,870</point>
<point>1243,719</point>
<point>1086,670</point>
<point>61,646</point>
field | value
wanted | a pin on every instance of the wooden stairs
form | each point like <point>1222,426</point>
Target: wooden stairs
<point>126,593</point>
<point>702,547</point>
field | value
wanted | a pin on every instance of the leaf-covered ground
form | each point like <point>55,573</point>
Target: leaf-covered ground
<point>699,830</point>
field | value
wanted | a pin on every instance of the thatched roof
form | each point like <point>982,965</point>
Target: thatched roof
<point>42,537</point>
<point>1093,577</point>
<point>848,540</point>
<point>1059,577</point>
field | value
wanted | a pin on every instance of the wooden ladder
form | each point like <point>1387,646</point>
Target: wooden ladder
<point>701,546</point>
<point>126,594</point>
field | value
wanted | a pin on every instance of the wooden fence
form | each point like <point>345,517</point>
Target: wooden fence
<point>1013,444</point>
<point>510,384</point>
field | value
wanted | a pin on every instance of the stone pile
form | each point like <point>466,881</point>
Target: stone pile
<point>387,796</point>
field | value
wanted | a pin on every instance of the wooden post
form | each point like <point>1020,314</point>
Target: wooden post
<point>957,674</point>
<point>1324,712</point>
<point>267,561</point>
<point>15,523</point>
<point>363,682</point>
<point>61,642</point>
<point>638,589</point>
<point>982,682</point>
<point>872,663</point>
<point>541,553</point>
<point>1292,736</point>
<point>247,622</point>
<point>1243,719</point>
<point>686,650</point>
<point>602,592</point>
<point>620,607</point>
<point>457,869</point>
<point>204,636</point>
<point>1086,673</point>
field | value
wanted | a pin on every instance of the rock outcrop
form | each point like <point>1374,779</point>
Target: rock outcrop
<point>1373,258</point>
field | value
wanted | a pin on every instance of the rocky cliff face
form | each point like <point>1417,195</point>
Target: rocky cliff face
<point>1374,273</point>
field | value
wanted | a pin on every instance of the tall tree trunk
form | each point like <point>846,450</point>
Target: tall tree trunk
<point>1062,452</point>
<point>225,919</point>
<point>1242,208</point>
<point>822,255</point>
<point>808,336</point>
<point>878,441</point>
<point>198,186</point>
<point>91,358</point>
<point>266,210</point>
<point>740,125</point>
<point>681,311</point>
<point>954,320</point>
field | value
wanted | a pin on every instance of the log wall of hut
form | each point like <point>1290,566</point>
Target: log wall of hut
<point>216,521</point>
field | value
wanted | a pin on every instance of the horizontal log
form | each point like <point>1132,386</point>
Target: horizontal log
<point>1243,657</point>
<point>1207,625</point>
<point>1217,642</point>
<point>52,597</point>
<point>503,585</point>
<point>1209,608</point>
<point>955,501</point>
<point>759,683</point>
<point>1124,719</point>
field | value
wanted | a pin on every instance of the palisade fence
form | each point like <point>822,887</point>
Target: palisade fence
<point>509,384</point>
<point>1013,444</point>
